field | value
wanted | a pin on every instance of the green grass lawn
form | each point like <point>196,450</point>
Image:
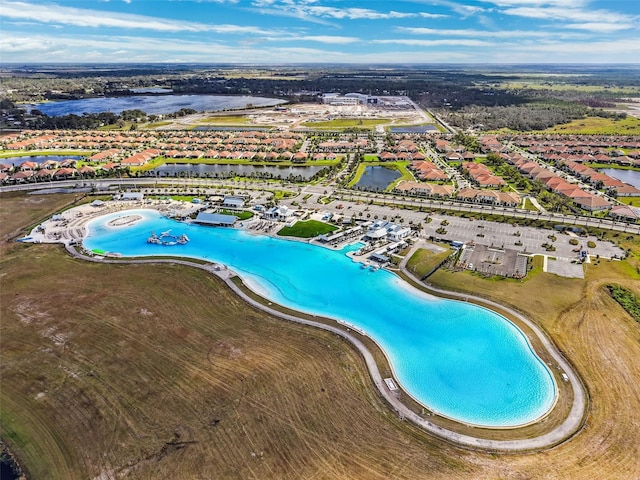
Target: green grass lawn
<point>599,126</point>
<point>33,153</point>
<point>348,123</point>
<point>308,229</point>
<point>241,215</point>
<point>424,260</point>
<point>633,201</point>
<point>529,206</point>
<point>157,124</point>
<point>227,120</point>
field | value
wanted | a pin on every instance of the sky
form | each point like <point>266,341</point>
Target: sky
<point>320,31</point>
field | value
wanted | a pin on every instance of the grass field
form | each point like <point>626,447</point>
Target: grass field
<point>226,120</point>
<point>31,153</point>
<point>307,229</point>
<point>158,371</point>
<point>424,261</point>
<point>635,201</point>
<point>545,84</point>
<point>348,123</point>
<point>240,214</point>
<point>599,126</point>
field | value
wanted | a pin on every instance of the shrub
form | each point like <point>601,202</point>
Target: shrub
<point>574,241</point>
<point>591,244</point>
<point>626,298</point>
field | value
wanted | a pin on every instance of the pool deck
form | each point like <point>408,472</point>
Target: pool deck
<point>70,230</point>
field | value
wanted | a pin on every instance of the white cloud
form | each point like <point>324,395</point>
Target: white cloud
<point>56,14</point>
<point>516,34</point>
<point>463,10</point>
<point>598,27</point>
<point>567,12</point>
<point>306,10</point>
<point>17,47</point>
<point>432,15</point>
<point>328,39</point>
<point>436,43</point>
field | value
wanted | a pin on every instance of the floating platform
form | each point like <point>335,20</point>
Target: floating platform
<point>167,238</point>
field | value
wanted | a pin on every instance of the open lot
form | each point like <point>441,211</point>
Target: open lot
<point>310,116</point>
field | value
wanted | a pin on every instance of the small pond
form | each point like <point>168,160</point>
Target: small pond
<point>377,178</point>
<point>632,177</point>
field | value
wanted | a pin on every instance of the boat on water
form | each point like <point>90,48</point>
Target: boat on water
<point>166,238</point>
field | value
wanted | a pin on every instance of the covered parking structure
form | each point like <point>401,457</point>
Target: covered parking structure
<point>215,219</point>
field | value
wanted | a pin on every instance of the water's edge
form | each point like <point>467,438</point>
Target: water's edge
<point>572,424</point>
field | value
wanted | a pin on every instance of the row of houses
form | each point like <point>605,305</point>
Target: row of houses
<point>471,195</point>
<point>600,180</point>
<point>400,156</point>
<point>93,140</point>
<point>482,176</point>
<point>46,174</point>
<point>556,184</point>
<point>428,171</point>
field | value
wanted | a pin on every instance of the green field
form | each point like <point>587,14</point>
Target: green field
<point>348,123</point>
<point>423,261</point>
<point>634,201</point>
<point>227,120</point>
<point>599,126</point>
<point>545,84</point>
<point>240,214</point>
<point>33,153</point>
<point>157,124</point>
<point>307,229</point>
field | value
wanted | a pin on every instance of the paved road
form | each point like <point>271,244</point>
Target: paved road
<point>564,431</point>
<point>354,196</point>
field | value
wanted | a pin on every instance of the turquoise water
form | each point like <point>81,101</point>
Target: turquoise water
<point>458,359</point>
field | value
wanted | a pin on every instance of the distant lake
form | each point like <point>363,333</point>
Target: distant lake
<point>37,159</point>
<point>201,169</point>
<point>632,177</point>
<point>377,178</point>
<point>155,104</point>
<point>418,129</point>
<point>151,90</point>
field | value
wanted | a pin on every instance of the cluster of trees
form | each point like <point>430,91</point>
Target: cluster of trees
<point>626,298</point>
<point>515,117</point>
<point>549,200</point>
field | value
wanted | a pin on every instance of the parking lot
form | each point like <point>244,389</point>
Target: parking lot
<point>523,239</point>
<point>494,261</point>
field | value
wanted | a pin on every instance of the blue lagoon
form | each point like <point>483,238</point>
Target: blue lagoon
<point>456,358</point>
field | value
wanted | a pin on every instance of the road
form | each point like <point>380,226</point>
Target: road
<point>345,195</point>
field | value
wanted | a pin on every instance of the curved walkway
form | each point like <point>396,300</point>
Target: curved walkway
<point>564,431</point>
